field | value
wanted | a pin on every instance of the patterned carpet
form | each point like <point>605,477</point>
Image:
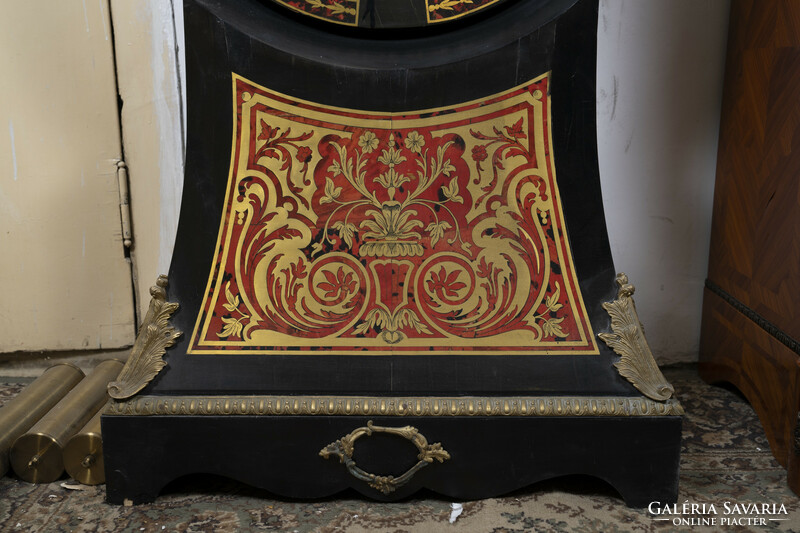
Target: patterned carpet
<point>725,458</point>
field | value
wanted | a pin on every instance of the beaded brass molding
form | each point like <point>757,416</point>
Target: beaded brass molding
<point>344,448</point>
<point>637,363</point>
<point>395,406</point>
<point>155,336</point>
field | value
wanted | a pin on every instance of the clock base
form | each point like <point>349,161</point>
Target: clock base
<point>487,456</point>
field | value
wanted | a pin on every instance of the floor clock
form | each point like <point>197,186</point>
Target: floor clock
<point>392,270</point>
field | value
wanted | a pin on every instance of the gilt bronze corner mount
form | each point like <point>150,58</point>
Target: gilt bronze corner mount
<point>627,339</point>
<point>155,336</point>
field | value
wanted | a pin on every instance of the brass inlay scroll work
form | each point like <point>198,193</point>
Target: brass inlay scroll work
<point>637,364</point>
<point>155,336</point>
<point>344,448</point>
<point>445,10</point>
<point>392,233</point>
<point>344,12</point>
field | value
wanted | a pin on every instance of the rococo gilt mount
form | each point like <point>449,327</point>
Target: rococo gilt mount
<point>392,270</point>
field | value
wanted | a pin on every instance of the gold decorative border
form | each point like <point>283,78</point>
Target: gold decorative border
<point>529,406</point>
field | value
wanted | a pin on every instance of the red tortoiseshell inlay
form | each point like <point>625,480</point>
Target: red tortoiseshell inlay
<point>343,12</point>
<point>444,10</point>
<point>371,233</point>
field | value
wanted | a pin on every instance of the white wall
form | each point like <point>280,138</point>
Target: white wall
<point>150,88</point>
<point>660,71</point>
<point>659,90</point>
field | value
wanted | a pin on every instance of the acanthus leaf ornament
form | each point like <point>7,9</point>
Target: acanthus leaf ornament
<point>637,363</point>
<point>155,336</point>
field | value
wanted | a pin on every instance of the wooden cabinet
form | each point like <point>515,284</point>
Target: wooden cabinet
<point>751,312</point>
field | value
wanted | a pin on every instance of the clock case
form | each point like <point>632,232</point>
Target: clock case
<point>463,425</point>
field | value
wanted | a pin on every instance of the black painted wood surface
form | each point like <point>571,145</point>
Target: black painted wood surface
<point>490,456</point>
<point>518,44</point>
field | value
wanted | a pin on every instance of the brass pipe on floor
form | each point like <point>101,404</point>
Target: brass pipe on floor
<point>83,454</point>
<point>37,456</point>
<point>35,400</point>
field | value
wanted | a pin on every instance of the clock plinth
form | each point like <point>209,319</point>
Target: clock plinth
<point>392,270</point>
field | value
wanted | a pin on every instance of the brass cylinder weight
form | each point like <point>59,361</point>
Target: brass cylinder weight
<point>83,454</point>
<point>35,400</point>
<point>37,456</point>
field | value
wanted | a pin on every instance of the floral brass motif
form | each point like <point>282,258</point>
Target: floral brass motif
<point>344,448</point>
<point>344,12</point>
<point>444,10</point>
<point>391,225</point>
<point>155,336</point>
<point>637,363</point>
<point>368,233</point>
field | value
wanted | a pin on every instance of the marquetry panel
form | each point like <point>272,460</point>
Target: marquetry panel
<point>409,233</point>
<point>751,317</point>
<point>444,10</point>
<point>385,14</point>
<point>343,12</point>
<point>755,245</point>
<point>736,350</point>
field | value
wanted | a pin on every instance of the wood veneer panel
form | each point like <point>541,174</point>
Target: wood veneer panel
<point>736,350</point>
<point>755,244</point>
<point>751,315</point>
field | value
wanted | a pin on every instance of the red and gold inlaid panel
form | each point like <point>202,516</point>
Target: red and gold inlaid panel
<point>445,10</point>
<point>346,12</point>
<point>356,232</point>
<point>337,11</point>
